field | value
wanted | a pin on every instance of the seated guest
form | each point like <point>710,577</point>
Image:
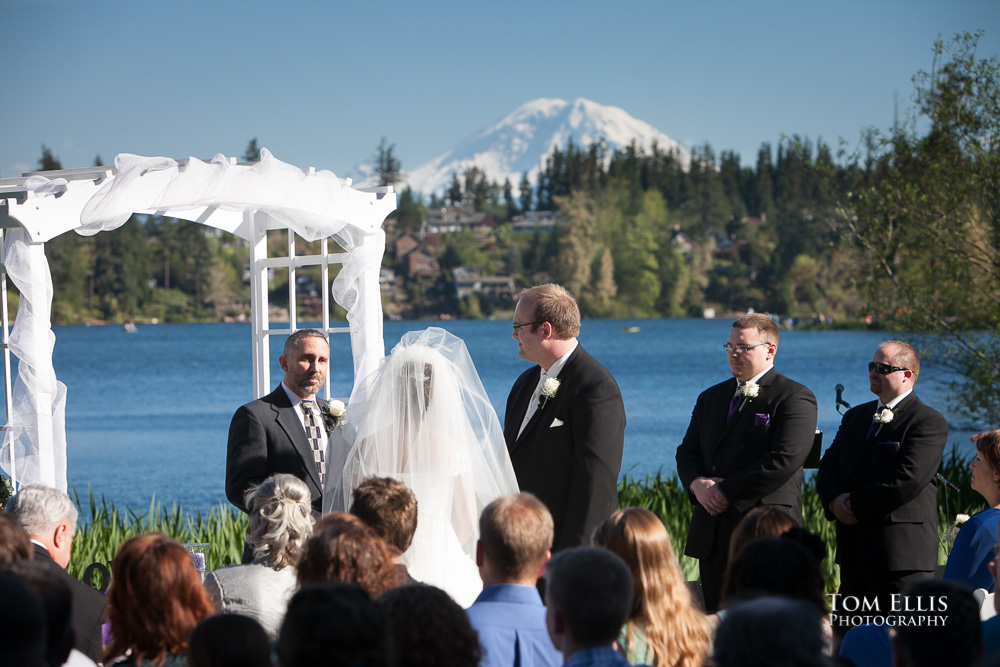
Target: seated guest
<point>955,641</point>
<point>770,632</point>
<point>333,625</point>
<point>57,603</point>
<point>342,548</point>
<point>766,521</point>
<point>515,538</point>
<point>280,523</point>
<point>229,640</point>
<point>390,509</point>
<point>429,629</point>
<point>588,593</point>
<point>663,629</point>
<point>155,600</point>
<point>973,547</point>
<point>15,544</point>
<point>22,624</point>
<point>49,517</point>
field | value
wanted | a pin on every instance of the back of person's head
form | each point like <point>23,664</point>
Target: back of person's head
<point>39,509</point>
<point>760,522</point>
<point>776,566</point>
<point>389,508</point>
<point>15,545</point>
<point>333,625</point>
<point>429,629</point>
<point>155,600</point>
<point>675,631</point>
<point>590,591</point>
<point>229,640</point>
<point>770,632</point>
<point>516,535</point>
<point>939,625</point>
<point>23,628</point>
<point>280,519</point>
<point>343,548</point>
<point>57,601</point>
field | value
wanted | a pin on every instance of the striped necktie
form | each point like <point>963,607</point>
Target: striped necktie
<point>315,438</point>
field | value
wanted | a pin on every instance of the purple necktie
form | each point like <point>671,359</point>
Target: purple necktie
<point>732,407</point>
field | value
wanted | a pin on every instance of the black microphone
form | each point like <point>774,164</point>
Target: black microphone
<point>840,398</point>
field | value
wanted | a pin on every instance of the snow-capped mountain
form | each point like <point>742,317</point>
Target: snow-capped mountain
<point>523,140</point>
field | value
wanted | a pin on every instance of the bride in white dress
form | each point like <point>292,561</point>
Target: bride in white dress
<point>424,418</point>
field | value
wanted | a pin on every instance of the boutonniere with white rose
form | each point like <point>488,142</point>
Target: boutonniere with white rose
<point>549,389</point>
<point>952,531</point>
<point>335,414</point>
<point>884,416</point>
<point>748,391</point>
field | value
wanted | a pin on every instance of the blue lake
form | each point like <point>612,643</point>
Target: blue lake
<point>148,413</point>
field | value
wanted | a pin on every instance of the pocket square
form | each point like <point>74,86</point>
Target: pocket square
<point>762,419</point>
<point>556,422</point>
<point>890,443</point>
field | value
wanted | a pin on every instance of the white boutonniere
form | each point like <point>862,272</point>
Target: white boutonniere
<point>549,389</point>
<point>748,391</point>
<point>335,413</point>
<point>952,531</point>
<point>884,417</point>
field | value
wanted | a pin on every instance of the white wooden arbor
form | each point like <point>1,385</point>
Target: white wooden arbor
<point>245,200</point>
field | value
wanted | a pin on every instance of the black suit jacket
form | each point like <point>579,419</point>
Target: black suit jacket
<point>758,454</point>
<point>890,476</point>
<point>266,437</point>
<point>88,607</point>
<point>571,466</point>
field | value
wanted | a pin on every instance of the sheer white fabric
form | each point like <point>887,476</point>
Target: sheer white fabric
<point>29,453</point>
<point>424,418</point>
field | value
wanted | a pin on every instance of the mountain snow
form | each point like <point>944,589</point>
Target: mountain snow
<point>523,140</point>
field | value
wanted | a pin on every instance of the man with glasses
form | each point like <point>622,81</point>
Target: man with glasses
<point>565,420</point>
<point>877,482</point>
<point>744,447</point>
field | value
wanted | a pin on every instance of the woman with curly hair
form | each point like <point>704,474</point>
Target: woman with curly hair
<point>155,601</point>
<point>343,548</point>
<point>664,628</point>
<point>429,629</point>
<point>280,523</point>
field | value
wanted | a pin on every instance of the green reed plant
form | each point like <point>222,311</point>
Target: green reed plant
<point>104,529</point>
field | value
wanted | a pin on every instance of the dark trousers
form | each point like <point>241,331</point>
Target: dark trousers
<point>713,571</point>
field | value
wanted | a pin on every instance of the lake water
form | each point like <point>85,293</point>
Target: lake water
<point>148,413</point>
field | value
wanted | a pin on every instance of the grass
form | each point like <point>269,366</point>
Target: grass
<point>104,528</point>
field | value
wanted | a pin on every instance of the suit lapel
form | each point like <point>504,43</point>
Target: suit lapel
<point>541,414</point>
<point>288,419</point>
<point>747,406</point>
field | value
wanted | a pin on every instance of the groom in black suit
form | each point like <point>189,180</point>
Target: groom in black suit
<point>565,420</point>
<point>268,436</point>
<point>877,481</point>
<point>744,448</point>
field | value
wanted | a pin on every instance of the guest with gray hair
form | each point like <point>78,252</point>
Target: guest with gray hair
<point>770,632</point>
<point>49,517</point>
<point>280,523</point>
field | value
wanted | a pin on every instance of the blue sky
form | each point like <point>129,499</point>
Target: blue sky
<point>319,83</point>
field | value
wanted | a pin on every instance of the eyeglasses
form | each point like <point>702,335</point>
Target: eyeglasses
<point>883,369</point>
<point>526,324</point>
<point>740,349</point>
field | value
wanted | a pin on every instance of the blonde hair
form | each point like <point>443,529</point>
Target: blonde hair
<point>676,633</point>
<point>280,519</point>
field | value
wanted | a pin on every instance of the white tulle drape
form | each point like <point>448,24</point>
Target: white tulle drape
<point>425,419</point>
<point>31,451</point>
<point>314,205</point>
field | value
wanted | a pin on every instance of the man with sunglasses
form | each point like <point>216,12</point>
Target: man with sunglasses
<point>744,448</point>
<point>877,482</point>
<point>565,419</point>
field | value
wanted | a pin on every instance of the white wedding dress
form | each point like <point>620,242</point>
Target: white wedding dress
<point>424,418</point>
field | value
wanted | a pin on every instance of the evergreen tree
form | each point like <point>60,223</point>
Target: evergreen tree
<point>252,153</point>
<point>387,166</point>
<point>524,189</point>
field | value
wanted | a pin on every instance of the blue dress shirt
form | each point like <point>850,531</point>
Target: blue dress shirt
<point>510,620</point>
<point>973,549</point>
<point>597,657</point>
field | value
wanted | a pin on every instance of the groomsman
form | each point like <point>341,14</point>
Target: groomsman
<point>877,482</point>
<point>565,420</point>
<point>744,447</point>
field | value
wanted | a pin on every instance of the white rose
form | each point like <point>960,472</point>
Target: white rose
<point>751,389</point>
<point>885,416</point>
<point>336,408</point>
<point>550,387</point>
<point>960,519</point>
